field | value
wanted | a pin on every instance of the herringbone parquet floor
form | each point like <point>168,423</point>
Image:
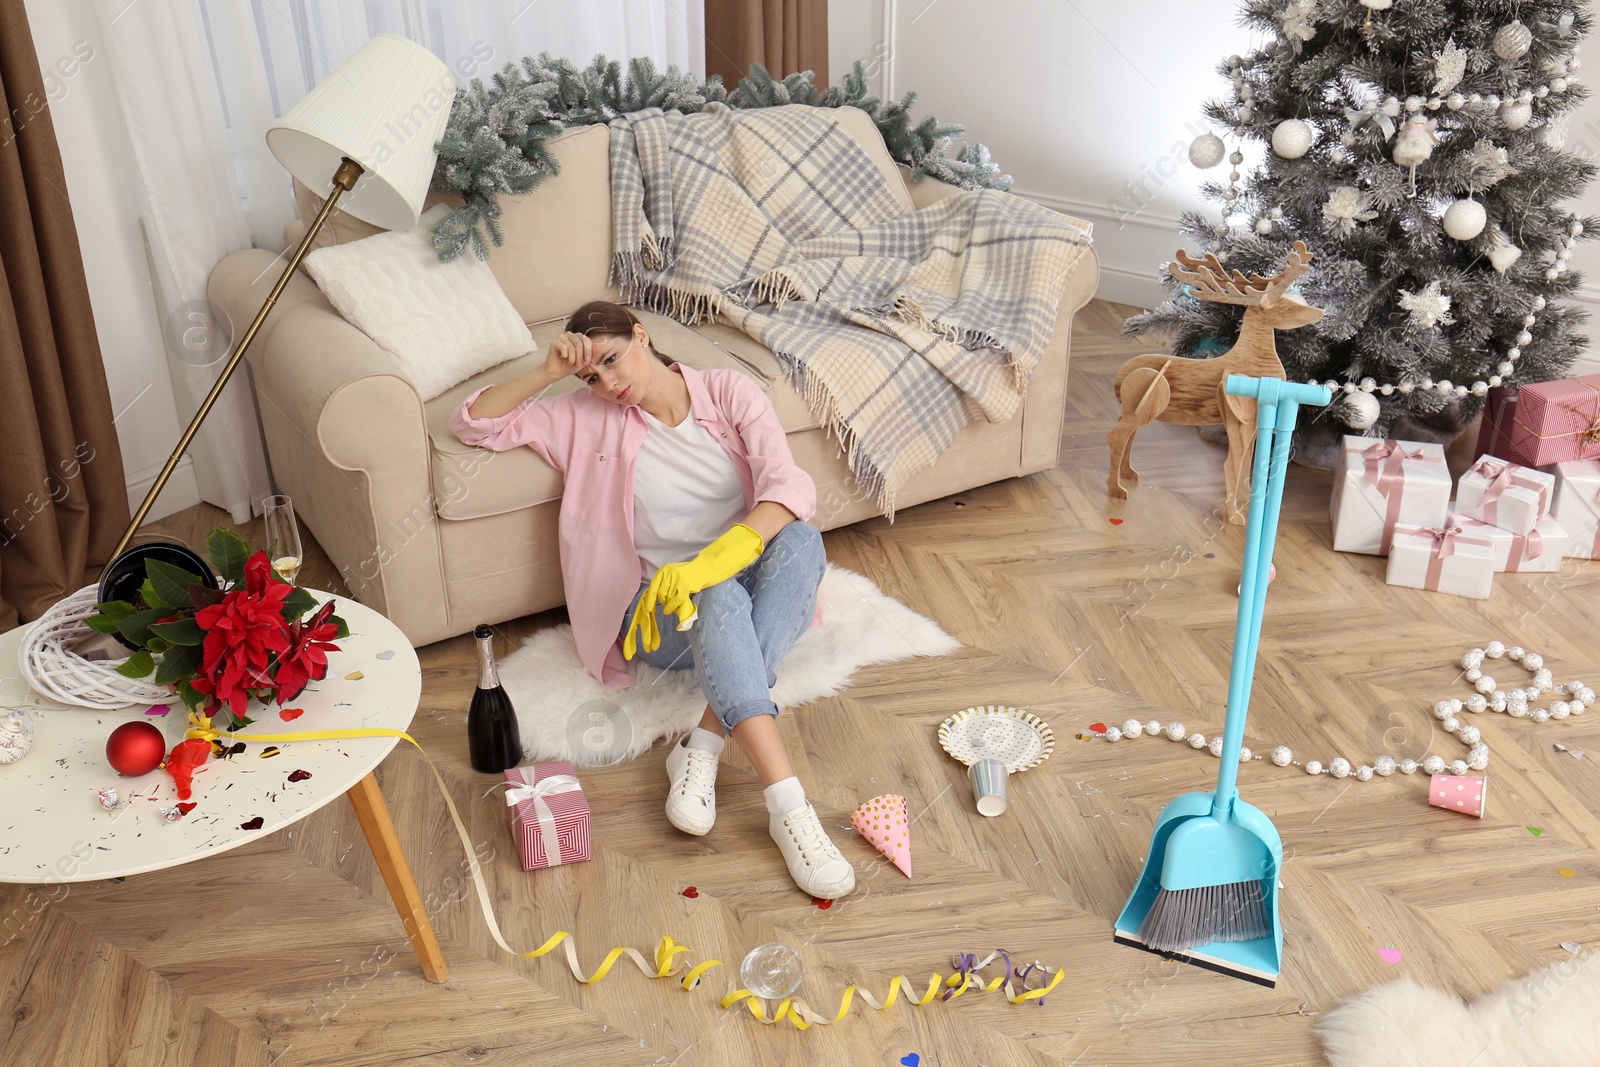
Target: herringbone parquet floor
<point>288,952</point>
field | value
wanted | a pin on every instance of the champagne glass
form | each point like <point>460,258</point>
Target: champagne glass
<point>283,536</point>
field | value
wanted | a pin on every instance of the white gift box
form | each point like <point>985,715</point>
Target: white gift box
<point>1540,549</point>
<point>1507,495</point>
<point>1578,505</point>
<point>1447,560</point>
<point>1380,483</point>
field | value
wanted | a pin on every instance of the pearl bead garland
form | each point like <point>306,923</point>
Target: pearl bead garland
<point>1515,702</point>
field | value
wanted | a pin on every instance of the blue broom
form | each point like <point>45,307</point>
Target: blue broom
<point>1209,890</point>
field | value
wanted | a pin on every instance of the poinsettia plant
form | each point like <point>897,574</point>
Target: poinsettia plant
<point>221,648</point>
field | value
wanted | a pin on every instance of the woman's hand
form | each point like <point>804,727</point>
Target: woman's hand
<point>570,353</point>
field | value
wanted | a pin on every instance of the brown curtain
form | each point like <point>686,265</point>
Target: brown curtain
<point>63,503</point>
<point>782,35</point>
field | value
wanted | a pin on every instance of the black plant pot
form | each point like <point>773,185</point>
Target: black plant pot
<point>124,575</point>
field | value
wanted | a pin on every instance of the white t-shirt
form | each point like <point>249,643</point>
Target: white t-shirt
<point>686,493</point>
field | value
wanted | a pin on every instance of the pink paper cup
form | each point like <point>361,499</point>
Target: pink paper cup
<point>1464,796</point>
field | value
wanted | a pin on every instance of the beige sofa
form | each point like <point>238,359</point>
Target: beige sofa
<point>440,537</point>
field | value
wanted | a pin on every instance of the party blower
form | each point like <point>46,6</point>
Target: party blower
<point>1209,890</point>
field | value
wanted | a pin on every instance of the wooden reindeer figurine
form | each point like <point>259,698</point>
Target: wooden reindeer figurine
<point>1189,392</point>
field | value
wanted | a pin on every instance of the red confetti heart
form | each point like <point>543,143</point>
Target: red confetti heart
<point>823,904</point>
<point>1116,522</point>
<point>1098,727</point>
<point>291,714</point>
<point>253,824</point>
<point>691,892</point>
<point>187,808</point>
<point>299,776</point>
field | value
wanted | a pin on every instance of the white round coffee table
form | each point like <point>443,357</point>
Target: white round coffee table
<point>54,829</point>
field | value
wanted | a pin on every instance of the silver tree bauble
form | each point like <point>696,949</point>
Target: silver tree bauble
<point>1359,410</point>
<point>1465,219</point>
<point>1291,139</point>
<point>1206,151</point>
<point>1515,115</point>
<point>1512,40</point>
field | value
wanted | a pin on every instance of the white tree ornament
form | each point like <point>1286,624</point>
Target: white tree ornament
<point>1448,67</point>
<point>1515,114</point>
<point>1347,206</point>
<point>1489,163</point>
<point>1464,219</point>
<point>1502,253</point>
<point>1206,151</point>
<point>1299,22</point>
<point>1427,309</point>
<point>1414,144</point>
<point>1291,139</point>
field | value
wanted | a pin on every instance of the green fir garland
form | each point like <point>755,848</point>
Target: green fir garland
<point>494,143</point>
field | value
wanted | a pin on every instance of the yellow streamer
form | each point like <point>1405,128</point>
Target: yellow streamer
<point>666,965</point>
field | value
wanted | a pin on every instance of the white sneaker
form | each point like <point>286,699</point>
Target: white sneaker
<point>816,866</point>
<point>692,800</point>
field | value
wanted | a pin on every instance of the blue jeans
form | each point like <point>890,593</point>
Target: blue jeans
<point>744,625</point>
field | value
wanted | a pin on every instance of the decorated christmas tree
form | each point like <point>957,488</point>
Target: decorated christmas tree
<point>1416,146</point>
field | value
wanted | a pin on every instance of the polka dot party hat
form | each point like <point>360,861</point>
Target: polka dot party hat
<point>1465,795</point>
<point>883,822</point>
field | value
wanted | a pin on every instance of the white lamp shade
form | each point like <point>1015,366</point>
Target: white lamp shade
<point>384,108</point>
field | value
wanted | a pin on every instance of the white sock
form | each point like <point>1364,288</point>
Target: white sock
<point>784,796</point>
<point>704,740</point>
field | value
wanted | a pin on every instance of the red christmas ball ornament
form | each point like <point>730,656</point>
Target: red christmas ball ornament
<point>135,748</point>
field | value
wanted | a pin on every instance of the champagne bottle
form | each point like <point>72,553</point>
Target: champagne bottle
<point>492,736</point>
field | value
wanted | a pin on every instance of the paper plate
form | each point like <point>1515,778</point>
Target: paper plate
<point>1020,738</point>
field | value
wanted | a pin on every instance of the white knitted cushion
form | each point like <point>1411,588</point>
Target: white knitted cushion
<point>442,322</point>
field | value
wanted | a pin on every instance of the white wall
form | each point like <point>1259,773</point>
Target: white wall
<point>101,181</point>
<point>1088,101</point>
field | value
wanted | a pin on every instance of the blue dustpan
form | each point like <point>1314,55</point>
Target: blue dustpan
<point>1216,839</point>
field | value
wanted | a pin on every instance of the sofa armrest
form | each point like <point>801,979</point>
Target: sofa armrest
<point>347,438</point>
<point>929,190</point>
<point>311,364</point>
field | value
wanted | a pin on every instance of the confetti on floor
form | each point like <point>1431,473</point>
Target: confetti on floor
<point>691,892</point>
<point>1566,872</point>
<point>291,714</point>
<point>1534,830</point>
<point>354,676</point>
<point>1391,956</point>
<point>254,824</point>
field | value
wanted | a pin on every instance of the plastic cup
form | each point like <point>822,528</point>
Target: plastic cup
<point>988,777</point>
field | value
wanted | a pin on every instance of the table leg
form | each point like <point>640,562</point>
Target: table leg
<point>367,799</point>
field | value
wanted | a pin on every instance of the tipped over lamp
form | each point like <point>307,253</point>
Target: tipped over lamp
<point>366,135</point>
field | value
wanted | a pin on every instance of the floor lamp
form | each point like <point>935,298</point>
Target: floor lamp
<point>371,125</point>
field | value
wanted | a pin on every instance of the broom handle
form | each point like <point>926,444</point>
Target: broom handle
<point>1277,407</point>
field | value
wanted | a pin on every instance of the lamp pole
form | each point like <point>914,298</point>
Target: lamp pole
<point>344,179</point>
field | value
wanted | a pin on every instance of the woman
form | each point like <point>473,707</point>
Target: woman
<point>681,499</point>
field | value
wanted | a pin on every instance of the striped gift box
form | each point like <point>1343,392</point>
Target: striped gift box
<point>556,815</point>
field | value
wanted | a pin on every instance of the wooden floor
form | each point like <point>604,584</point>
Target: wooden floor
<point>288,951</point>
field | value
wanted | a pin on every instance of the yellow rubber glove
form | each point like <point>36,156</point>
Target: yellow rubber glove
<point>673,585</point>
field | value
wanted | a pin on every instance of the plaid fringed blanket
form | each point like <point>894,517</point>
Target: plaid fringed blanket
<point>898,329</point>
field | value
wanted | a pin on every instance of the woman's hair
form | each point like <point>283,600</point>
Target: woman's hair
<point>604,318</point>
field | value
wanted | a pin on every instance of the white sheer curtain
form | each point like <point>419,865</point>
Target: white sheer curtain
<point>199,82</point>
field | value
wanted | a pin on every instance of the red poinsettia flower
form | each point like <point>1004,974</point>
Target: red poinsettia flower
<point>306,659</point>
<point>242,631</point>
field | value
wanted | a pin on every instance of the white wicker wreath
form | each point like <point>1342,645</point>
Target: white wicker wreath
<point>55,671</point>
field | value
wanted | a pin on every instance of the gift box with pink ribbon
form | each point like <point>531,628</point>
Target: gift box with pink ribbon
<point>1441,560</point>
<point>1577,505</point>
<point>1556,422</point>
<point>1382,483</point>
<point>1507,495</point>
<point>1540,549</point>
<point>548,813</point>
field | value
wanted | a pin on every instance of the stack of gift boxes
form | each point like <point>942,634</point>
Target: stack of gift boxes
<point>1525,512</point>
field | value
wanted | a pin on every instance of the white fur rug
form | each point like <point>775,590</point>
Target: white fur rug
<point>1545,1019</point>
<point>564,714</point>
